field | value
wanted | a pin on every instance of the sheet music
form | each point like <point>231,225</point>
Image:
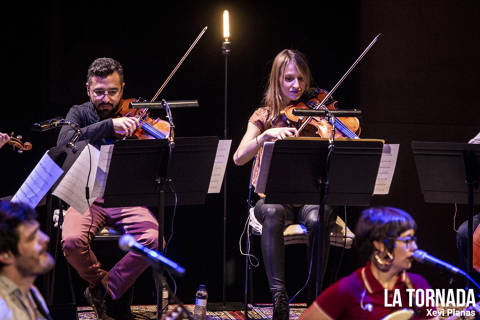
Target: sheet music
<point>38,182</point>
<point>264,166</point>
<point>386,169</point>
<point>219,166</point>
<point>72,187</point>
<point>102,170</point>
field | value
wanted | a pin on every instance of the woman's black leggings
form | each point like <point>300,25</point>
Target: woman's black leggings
<point>274,218</point>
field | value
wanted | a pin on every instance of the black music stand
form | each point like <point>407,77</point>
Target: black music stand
<point>449,173</point>
<point>156,172</point>
<point>298,174</point>
<point>63,156</point>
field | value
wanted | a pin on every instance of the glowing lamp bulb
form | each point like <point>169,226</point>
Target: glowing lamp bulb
<point>226,25</point>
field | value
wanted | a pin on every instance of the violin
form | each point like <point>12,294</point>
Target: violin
<point>16,143</point>
<point>149,128</point>
<point>347,127</point>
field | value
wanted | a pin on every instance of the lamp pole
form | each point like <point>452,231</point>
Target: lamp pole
<point>226,52</point>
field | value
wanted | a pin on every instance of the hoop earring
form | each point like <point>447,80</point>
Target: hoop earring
<point>383,260</point>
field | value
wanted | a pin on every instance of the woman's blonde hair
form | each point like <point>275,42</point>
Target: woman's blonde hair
<point>273,97</point>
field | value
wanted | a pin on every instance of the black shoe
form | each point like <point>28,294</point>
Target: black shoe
<point>281,309</point>
<point>120,309</point>
<point>96,297</point>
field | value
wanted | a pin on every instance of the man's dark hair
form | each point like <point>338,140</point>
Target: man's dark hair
<point>383,224</point>
<point>11,216</point>
<point>103,67</point>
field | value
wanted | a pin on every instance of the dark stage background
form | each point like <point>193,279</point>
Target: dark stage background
<point>419,82</point>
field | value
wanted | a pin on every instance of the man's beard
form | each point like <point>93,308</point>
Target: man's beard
<point>34,266</point>
<point>106,113</point>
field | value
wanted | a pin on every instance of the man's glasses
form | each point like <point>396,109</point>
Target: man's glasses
<point>408,240</point>
<point>101,92</point>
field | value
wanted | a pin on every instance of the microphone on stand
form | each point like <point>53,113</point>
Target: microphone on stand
<point>51,124</point>
<point>171,136</point>
<point>423,257</point>
<point>127,242</point>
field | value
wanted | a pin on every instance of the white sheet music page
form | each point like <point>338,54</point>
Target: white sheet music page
<point>72,187</point>
<point>264,166</point>
<point>102,171</point>
<point>38,182</point>
<point>386,169</point>
<point>219,166</point>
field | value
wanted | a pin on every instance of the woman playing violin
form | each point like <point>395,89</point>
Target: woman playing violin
<point>290,77</point>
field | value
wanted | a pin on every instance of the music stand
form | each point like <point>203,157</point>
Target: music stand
<point>155,173</point>
<point>448,173</point>
<point>297,174</point>
<point>63,156</point>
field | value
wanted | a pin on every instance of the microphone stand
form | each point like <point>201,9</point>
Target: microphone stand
<point>73,140</point>
<point>159,278</point>
<point>162,182</point>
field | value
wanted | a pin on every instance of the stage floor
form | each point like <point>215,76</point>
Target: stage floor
<point>259,311</point>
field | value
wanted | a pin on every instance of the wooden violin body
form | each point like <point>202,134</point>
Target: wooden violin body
<point>149,128</point>
<point>346,127</point>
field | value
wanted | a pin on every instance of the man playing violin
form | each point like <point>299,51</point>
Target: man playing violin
<point>290,77</point>
<point>96,118</point>
<point>3,139</point>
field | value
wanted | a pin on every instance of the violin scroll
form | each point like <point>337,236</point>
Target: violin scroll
<point>16,143</point>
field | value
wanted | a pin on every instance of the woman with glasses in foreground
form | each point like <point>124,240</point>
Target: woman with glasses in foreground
<point>387,236</point>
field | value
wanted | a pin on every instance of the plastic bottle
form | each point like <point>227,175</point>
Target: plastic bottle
<point>200,310</point>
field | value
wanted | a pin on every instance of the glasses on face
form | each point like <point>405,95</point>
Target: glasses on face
<point>409,240</point>
<point>102,92</point>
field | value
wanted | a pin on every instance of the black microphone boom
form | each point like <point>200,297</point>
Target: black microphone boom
<point>127,242</point>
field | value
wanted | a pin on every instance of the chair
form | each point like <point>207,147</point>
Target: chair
<point>340,236</point>
<point>297,233</point>
<point>105,243</point>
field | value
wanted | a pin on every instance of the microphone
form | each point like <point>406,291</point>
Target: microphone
<point>50,124</point>
<point>127,242</point>
<point>169,112</point>
<point>423,257</point>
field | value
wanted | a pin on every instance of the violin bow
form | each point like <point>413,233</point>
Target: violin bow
<point>144,112</point>
<point>330,93</point>
<point>179,64</point>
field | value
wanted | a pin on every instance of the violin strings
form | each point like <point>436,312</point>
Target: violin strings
<point>339,124</point>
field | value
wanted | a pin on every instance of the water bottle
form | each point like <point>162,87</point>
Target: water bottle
<point>200,310</point>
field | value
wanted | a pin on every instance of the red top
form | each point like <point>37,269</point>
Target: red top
<point>350,297</point>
